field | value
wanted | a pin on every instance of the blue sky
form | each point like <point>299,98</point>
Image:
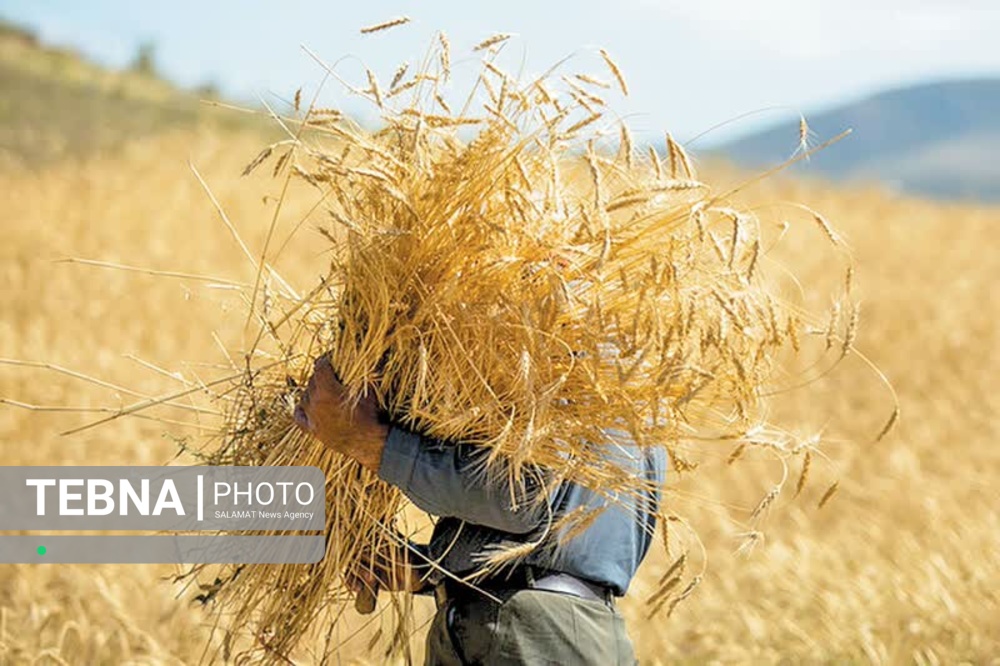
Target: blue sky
<point>691,65</point>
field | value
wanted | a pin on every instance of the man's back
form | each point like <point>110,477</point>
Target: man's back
<point>557,602</point>
<point>556,605</point>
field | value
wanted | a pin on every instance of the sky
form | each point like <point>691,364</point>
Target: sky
<point>691,65</point>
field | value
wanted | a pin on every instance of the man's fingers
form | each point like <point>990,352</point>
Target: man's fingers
<point>320,378</point>
<point>360,579</point>
<point>365,601</point>
<point>352,582</point>
<point>323,373</point>
<point>301,418</point>
<point>365,585</point>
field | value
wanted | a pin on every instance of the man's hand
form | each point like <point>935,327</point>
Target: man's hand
<point>325,411</point>
<point>387,571</point>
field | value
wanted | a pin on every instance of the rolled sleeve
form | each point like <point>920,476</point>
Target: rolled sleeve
<point>398,458</point>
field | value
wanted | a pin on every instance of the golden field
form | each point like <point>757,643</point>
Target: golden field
<point>901,566</point>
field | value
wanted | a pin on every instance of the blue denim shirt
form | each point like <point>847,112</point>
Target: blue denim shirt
<point>474,514</point>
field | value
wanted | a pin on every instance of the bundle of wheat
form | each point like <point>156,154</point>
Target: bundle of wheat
<point>516,275</point>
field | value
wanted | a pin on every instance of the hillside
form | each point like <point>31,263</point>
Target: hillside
<point>938,139</point>
<point>55,104</point>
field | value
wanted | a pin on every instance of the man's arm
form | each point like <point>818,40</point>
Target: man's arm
<point>449,480</point>
<point>444,479</point>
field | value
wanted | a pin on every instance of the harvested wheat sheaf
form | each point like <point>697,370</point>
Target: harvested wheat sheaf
<point>516,275</point>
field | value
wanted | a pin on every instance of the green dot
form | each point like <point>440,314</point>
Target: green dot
<point>41,550</point>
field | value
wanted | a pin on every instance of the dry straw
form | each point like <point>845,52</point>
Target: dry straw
<point>506,275</point>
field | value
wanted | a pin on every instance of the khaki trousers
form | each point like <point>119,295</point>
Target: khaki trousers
<point>528,627</point>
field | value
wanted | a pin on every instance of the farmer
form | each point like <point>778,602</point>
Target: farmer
<point>555,606</point>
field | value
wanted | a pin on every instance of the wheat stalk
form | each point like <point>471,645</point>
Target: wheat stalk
<point>385,25</point>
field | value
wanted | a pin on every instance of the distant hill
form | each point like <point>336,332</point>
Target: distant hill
<point>939,139</point>
<point>54,103</point>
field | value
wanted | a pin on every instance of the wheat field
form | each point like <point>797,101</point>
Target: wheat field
<point>900,566</point>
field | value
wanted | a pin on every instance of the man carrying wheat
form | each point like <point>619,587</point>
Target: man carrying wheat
<point>557,604</point>
<point>546,316</point>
